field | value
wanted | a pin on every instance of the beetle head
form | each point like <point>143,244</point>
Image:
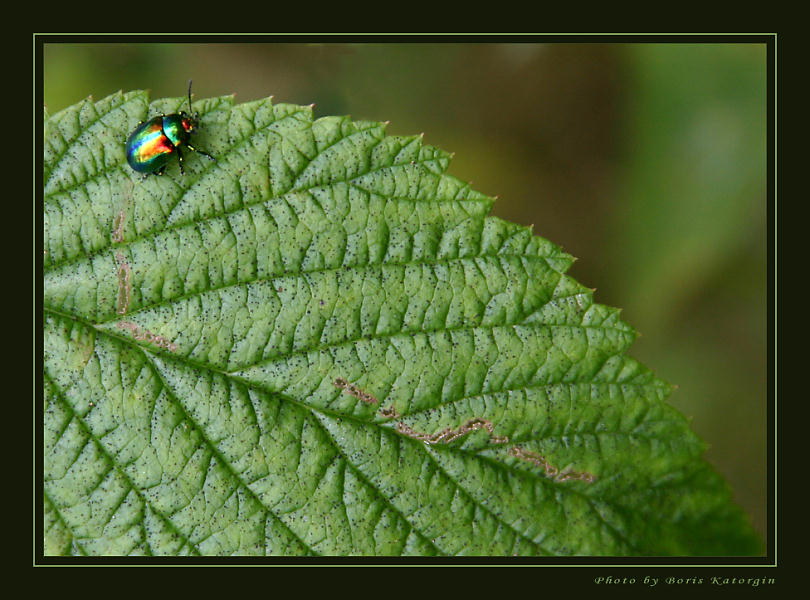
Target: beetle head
<point>190,119</point>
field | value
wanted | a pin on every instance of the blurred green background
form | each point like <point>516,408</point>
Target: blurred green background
<point>646,161</point>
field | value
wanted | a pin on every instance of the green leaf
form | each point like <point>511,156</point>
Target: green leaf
<point>321,344</point>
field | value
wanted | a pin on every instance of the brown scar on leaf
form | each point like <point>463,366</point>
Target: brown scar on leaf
<point>118,227</point>
<point>355,391</point>
<point>144,335</point>
<point>389,412</point>
<point>448,434</point>
<point>118,221</point>
<point>550,470</point>
<point>124,271</point>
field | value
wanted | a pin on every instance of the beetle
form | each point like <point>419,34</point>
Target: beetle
<point>152,144</point>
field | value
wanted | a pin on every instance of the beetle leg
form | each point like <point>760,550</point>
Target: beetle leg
<point>180,159</point>
<point>200,152</point>
<point>160,170</point>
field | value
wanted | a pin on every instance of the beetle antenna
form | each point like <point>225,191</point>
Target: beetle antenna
<point>189,96</point>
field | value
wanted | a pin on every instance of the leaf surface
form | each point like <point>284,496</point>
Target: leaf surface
<point>321,344</point>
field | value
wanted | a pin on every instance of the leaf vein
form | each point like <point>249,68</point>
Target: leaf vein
<point>216,454</point>
<point>111,461</point>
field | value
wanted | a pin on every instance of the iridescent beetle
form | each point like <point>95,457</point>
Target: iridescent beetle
<point>154,142</point>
